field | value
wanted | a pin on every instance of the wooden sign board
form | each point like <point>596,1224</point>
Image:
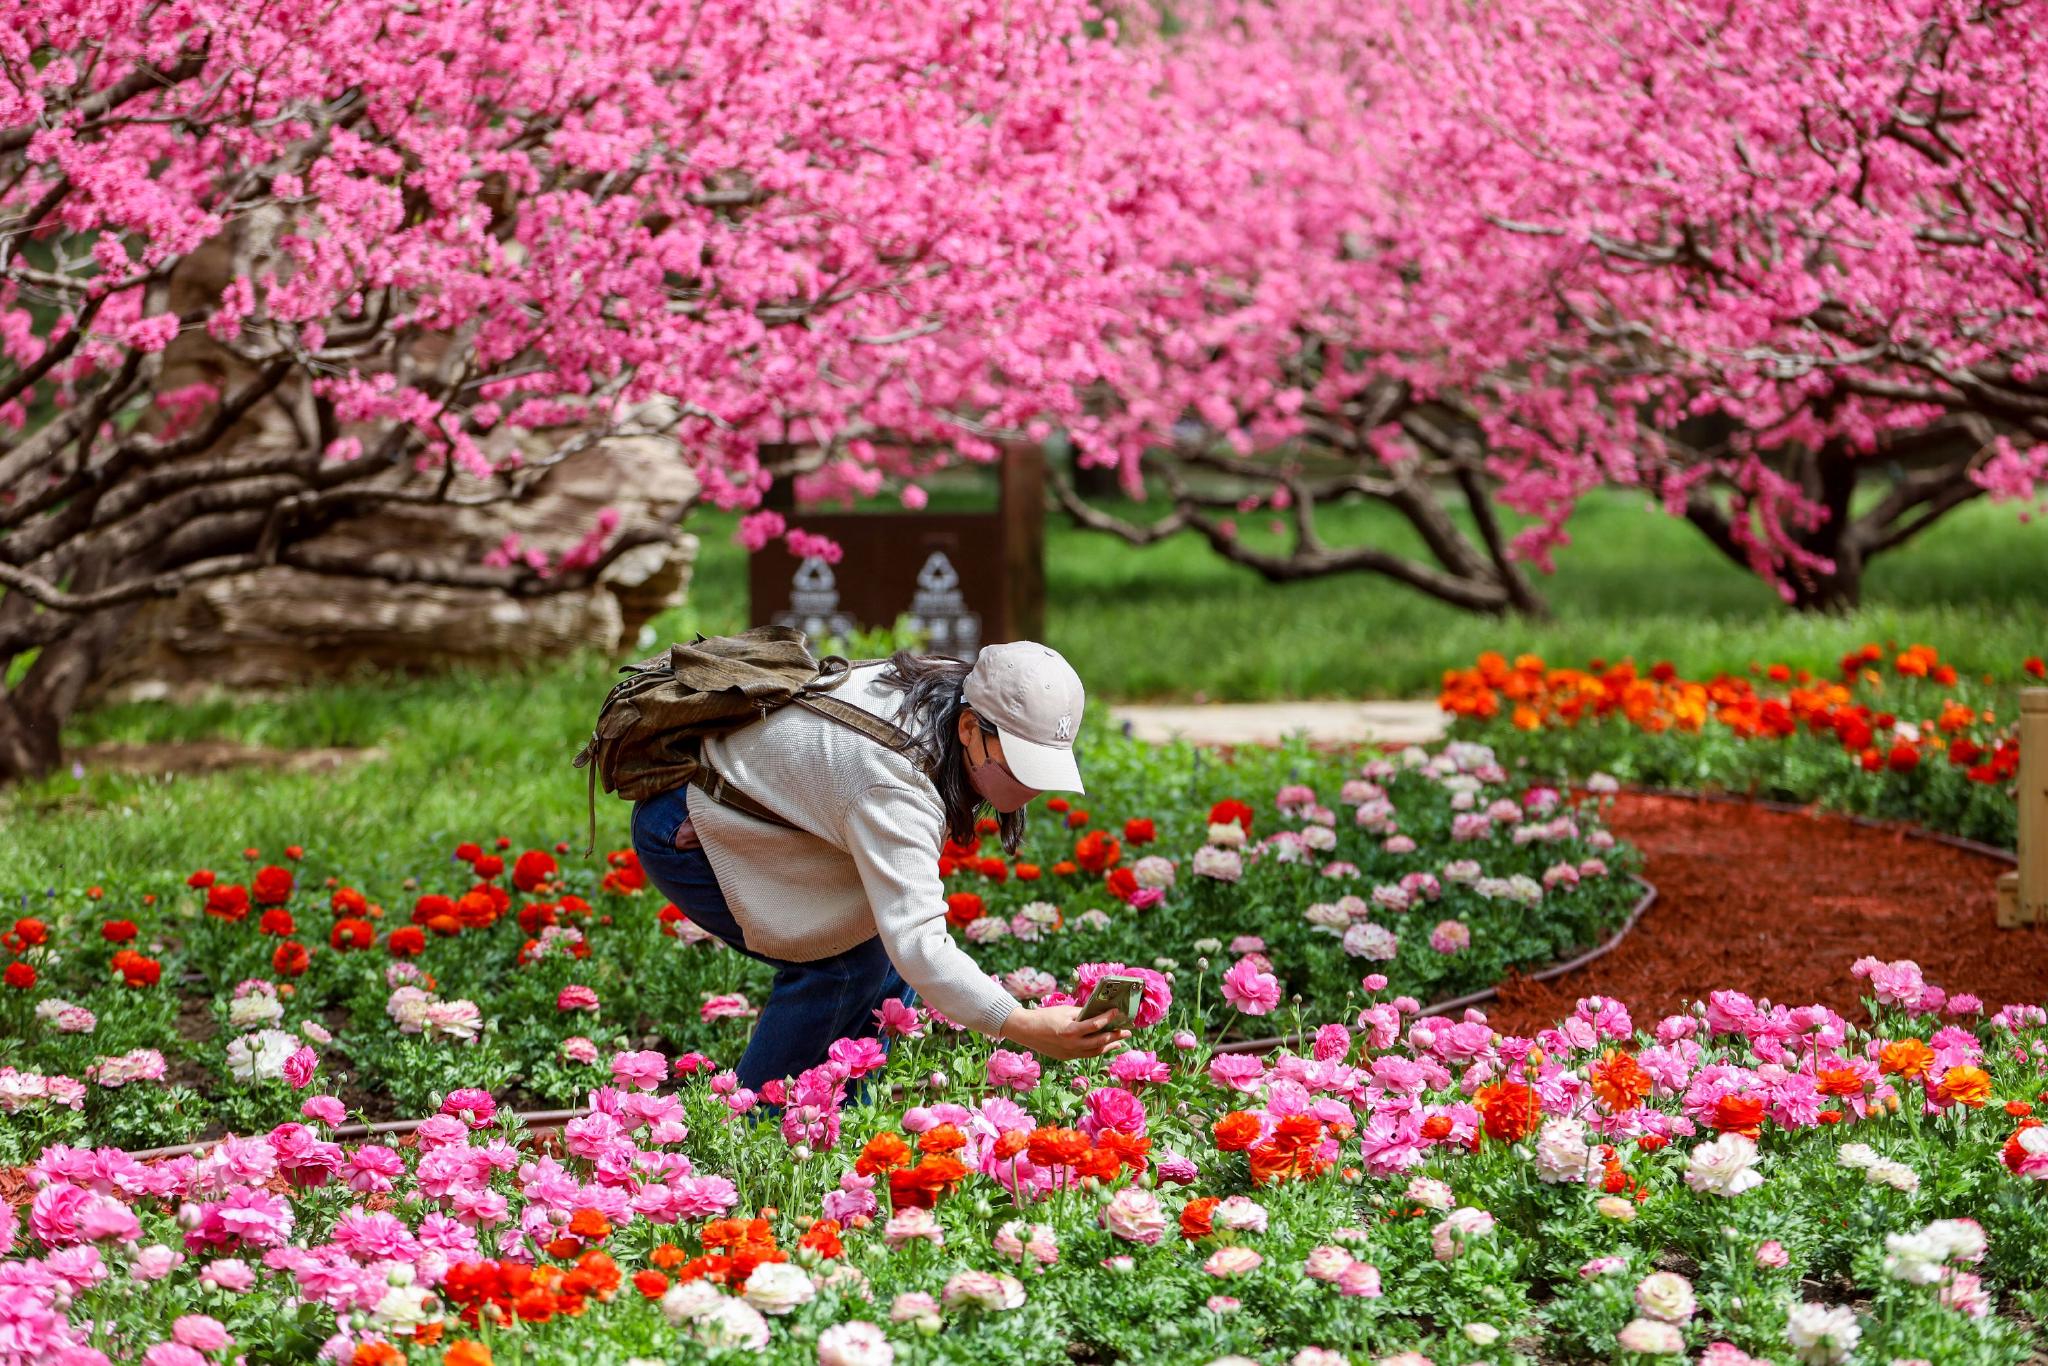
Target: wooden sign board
<point>965,579</point>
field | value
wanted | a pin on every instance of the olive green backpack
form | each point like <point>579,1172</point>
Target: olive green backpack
<point>651,728</point>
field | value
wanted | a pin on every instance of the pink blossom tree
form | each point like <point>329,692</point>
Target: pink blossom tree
<point>450,244</point>
<point>1778,267</point>
<point>1789,258</point>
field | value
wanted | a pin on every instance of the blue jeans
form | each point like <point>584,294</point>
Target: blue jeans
<point>810,1004</point>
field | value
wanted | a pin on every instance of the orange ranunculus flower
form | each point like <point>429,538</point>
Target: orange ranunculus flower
<point>596,1275</point>
<point>884,1152</point>
<point>590,1225</point>
<point>376,1354</point>
<point>1839,1081</point>
<point>467,1352</point>
<point>941,1138</point>
<point>1964,1085</point>
<point>650,1283</point>
<point>1131,1150</point>
<point>1511,1110</point>
<point>1010,1144</point>
<point>1236,1131</point>
<point>1100,1163</point>
<point>668,1256</point>
<point>1619,1081</point>
<point>1097,851</point>
<point>1437,1128</point>
<point>1195,1217</point>
<point>1737,1114</point>
<point>823,1238</point>
<point>1905,1058</point>
<point>1056,1147</point>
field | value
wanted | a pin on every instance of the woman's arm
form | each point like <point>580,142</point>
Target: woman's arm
<point>893,833</point>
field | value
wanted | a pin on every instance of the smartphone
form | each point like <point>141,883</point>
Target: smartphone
<point>1115,992</point>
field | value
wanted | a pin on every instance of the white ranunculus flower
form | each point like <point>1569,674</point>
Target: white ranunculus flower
<point>1897,1175</point>
<point>1650,1337</point>
<point>689,1301</point>
<point>1962,1239</point>
<point>1227,835</point>
<point>1915,1258</point>
<point>1857,1156</point>
<point>779,1287</point>
<point>855,1343</point>
<point>255,1012</point>
<point>1666,1295</point>
<point>1725,1167</point>
<point>733,1325</point>
<point>260,1056</point>
<point>1822,1334</point>
<point>1562,1154</point>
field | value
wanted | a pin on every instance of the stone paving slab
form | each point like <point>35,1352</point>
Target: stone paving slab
<point>1265,723</point>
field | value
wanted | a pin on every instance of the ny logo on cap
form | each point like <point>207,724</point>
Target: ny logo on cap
<point>1065,729</point>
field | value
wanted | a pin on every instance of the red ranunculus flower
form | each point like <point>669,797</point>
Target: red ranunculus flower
<point>1139,831</point>
<point>963,909</point>
<point>489,866</point>
<point>290,959</point>
<point>119,931</point>
<point>350,933</point>
<point>202,878</point>
<point>20,976</point>
<point>349,901</point>
<point>277,921</point>
<point>1121,883</point>
<point>1097,851</point>
<point>406,941</point>
<point>534,869</point>
<point>469,852</point>
<point>227,900</point>
<point>137,970</point>
<point>1231,809</point>
<point>32,931</point>
<point>1904,758</point>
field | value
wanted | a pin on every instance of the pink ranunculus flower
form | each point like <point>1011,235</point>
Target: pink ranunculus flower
<point>858,1057</point>
<point>1112,1107</point>
<point>300,1066</point>
<point>473,1105</point>
<point>1232,1261</point>
<point>1017,1071</point>
<point>1250,990</point>
<point>729,1006</point>
<point>201,1332</point>
<point>1135,1216</point>
<point>643,1070</point>
<point>326,1110</point>
<point>1360,1280</point>
<point>573,997</point>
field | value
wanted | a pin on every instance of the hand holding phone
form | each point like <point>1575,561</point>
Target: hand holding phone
<point>1117,992</point>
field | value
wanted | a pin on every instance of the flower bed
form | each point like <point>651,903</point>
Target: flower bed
<point>1742,1181</point>
<point>155,1010</point>
<point>1897,735</point>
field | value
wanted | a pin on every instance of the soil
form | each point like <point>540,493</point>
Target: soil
<point>1779,904</point>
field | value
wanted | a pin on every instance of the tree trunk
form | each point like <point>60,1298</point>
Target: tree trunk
<point>1836,539</point>
<point>33,714</point>
<point>28,741</point>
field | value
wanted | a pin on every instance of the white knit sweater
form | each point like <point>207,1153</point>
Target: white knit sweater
<point>863,861</point>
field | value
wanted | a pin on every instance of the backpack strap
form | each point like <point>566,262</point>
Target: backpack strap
<point>884,733</point>
<point>714,786</point>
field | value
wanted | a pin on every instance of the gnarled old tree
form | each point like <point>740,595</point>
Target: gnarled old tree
<point>449,245</point>
<point>1778,265</point>
<point>1791,256</point>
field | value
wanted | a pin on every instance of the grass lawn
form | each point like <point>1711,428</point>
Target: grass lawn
<point>472,754</point>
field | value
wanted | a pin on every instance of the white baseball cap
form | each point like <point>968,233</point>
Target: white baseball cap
<point>1033,698</point>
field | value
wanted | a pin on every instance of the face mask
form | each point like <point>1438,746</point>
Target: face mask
<point>996,783</point>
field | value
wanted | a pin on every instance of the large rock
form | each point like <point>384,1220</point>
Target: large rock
<point>280,627</point>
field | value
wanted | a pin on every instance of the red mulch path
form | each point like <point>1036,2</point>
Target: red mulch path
<point>1779,905</point>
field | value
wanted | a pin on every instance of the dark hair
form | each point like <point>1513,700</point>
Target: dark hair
<point>932,703</point>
